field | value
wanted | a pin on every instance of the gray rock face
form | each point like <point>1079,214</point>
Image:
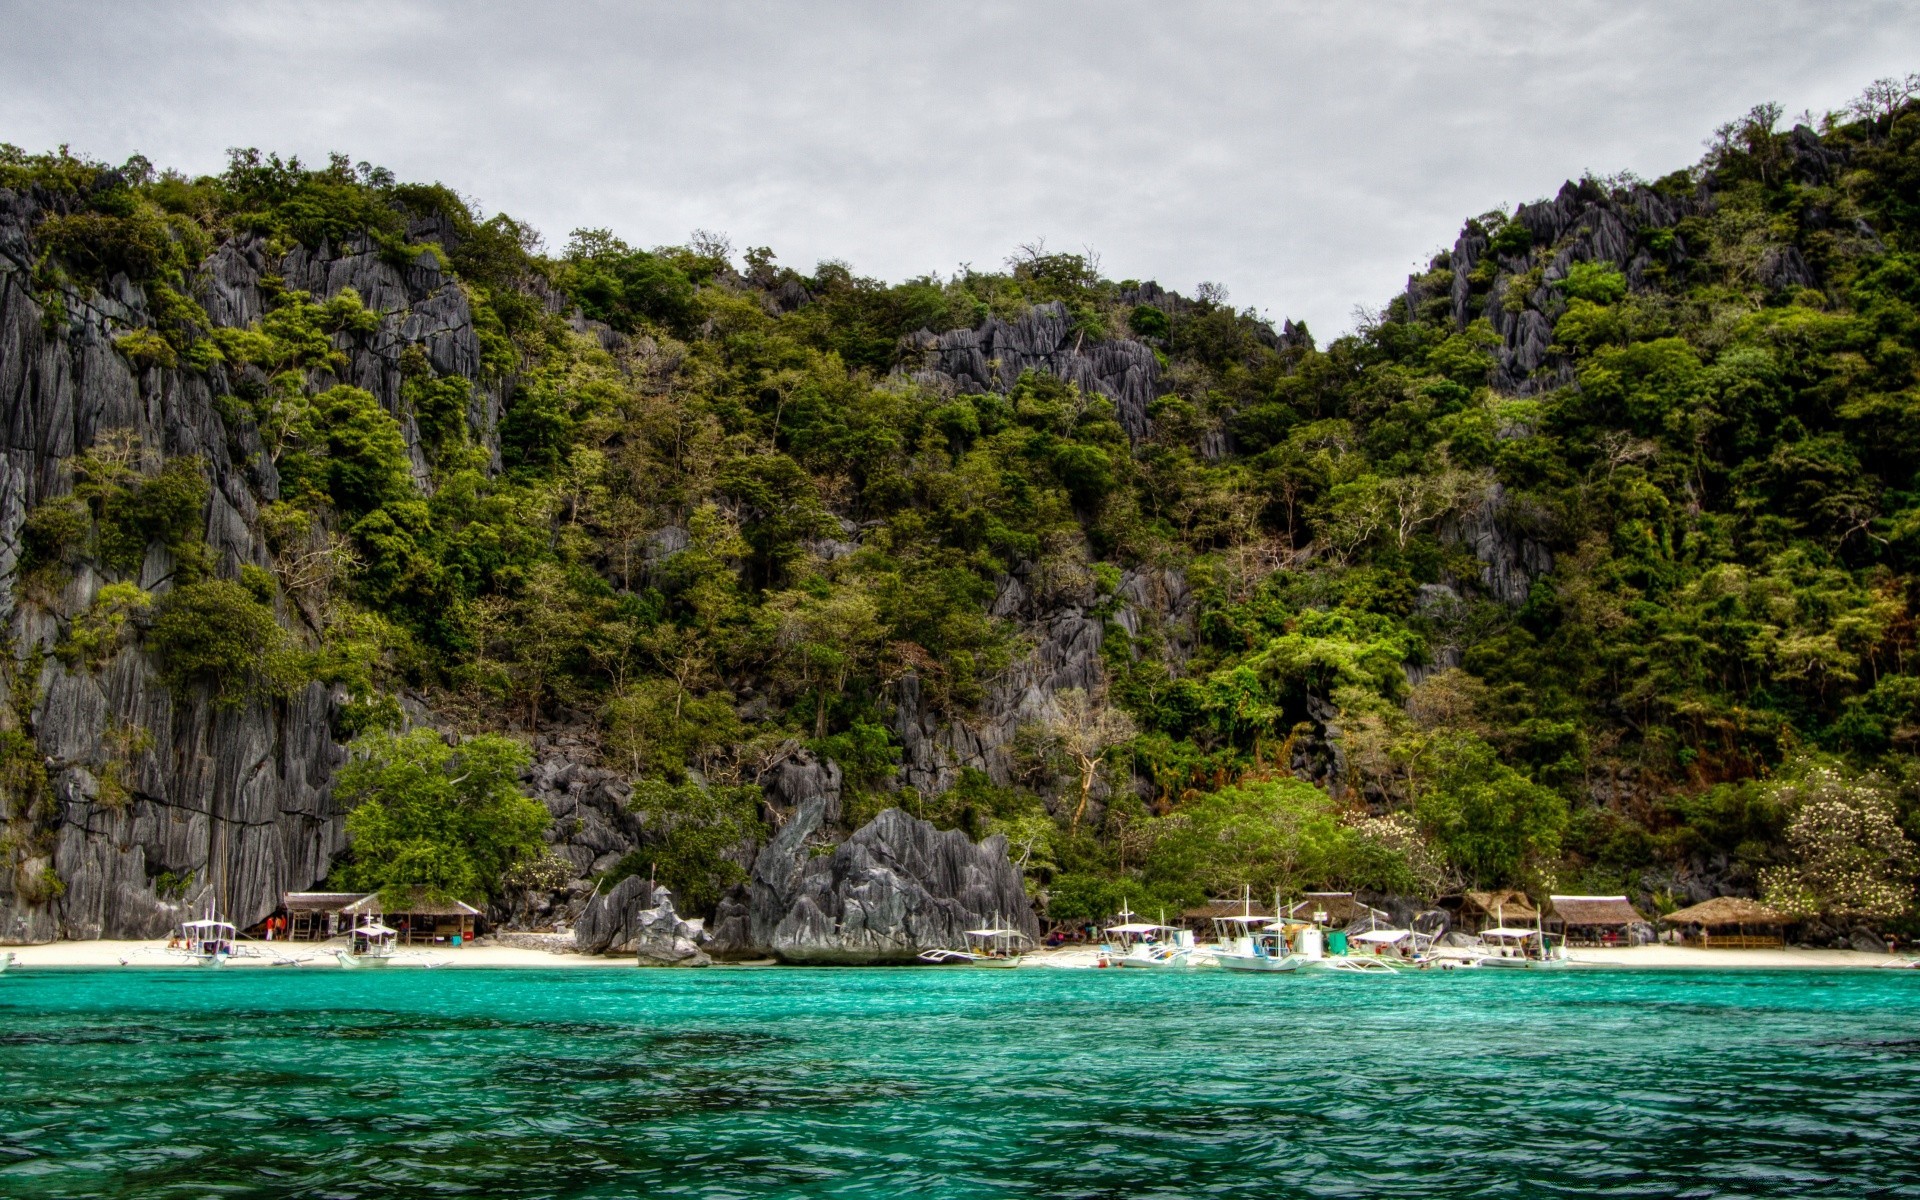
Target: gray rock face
<point>637,918</point>
<point>662,939</point>
<point>231,806</point>
<point>592,828</point>
<point>993,357</point>
<point>1510,560</point>
<point>896,887</point>
<point>1065,648</point>
<point>1580,224</point>
<point>607,919</point>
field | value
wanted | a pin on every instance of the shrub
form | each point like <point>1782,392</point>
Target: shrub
<point>55,534</point>
<point>144,348</point>
<point>698,828</point>
<point>216,635</point>
<point>95,635</point>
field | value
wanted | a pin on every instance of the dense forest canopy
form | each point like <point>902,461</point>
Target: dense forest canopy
<point>1587,562</point>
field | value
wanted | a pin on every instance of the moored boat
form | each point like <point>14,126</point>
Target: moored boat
<point>369,946</point>
<point>205,943</point>
<point>994,948</point>
<point>1263,950</point>
<point>1513,948</point>
<point>1144,946</point>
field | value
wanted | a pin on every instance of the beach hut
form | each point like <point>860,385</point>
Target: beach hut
<point>315,916</point>
<point>1594,920</point>
<point>419,918</point>
<point>1731,923</point>
<point>1487,910</point>
<point>1335,910</point>
<point>1203,916</point>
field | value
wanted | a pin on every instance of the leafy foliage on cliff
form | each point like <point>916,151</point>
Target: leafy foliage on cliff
<point>1629,479</point>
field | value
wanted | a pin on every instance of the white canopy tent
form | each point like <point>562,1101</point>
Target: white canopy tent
<point>1383,936</point>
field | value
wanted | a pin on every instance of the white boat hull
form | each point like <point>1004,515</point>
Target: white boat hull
<point>1351,966</point>
<point>1524,964</point>
<point>361,962</point>
<point>1258,963</point>
<point>1177,961</point>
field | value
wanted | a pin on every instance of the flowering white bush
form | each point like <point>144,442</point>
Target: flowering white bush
<point>1851,858</point>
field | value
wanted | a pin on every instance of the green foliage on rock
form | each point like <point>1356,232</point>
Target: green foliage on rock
<point>216,635</point>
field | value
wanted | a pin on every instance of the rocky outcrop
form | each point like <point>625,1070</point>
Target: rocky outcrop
<point>1065,633</point>
<point>635,917</point>
<point>993,357</point>
<point>1510,560</point>
<point>896,887</point>
<point>224,805</point>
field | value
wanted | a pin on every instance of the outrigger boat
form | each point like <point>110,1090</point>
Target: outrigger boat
<point>997,948</point>
<point>1243,948</point>
<point>1514,948</point>
<point>1309,944</point>
<point>207,942</point>
<point>1139,944</point>
<point>369,946</point>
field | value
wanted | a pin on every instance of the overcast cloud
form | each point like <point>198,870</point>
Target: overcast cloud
<point>1307,156</point>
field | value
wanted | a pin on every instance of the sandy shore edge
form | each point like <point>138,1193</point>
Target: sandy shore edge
<point>320,956</point>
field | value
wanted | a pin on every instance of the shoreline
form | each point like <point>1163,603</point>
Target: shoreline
<point>320,955</point>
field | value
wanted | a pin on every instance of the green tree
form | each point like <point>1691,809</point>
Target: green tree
<point>1489,820</point>
<point>424,814</point>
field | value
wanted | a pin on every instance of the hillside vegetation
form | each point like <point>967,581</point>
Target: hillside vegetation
<point>1587,562</point>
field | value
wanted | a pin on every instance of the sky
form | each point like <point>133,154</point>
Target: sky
<point>1304,156</point>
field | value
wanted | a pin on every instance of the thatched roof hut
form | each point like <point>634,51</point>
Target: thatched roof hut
<point>419,918</point>
<point>1594,911</point>
<point>1201,915</point>
<point>1508,906</point>
<point>1723,911</point>
<point>418,905</point>
<point>320,901</point>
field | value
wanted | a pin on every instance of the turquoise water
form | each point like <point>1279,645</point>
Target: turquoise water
<point>955,1083</point>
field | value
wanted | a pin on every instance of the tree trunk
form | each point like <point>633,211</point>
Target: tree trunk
<point>1088,767</point>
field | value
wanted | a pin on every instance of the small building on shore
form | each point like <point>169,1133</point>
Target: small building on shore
<point>1203,916</point>
<point>315,916</point>
<point>418,919</point>
<point>1594,920</point>
<point>1731,923</point>
<point>1489,910</point>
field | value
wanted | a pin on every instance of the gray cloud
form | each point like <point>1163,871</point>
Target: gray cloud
<point>1305,155</point>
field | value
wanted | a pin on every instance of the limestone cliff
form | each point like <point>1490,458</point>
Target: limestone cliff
<point>225,804</point>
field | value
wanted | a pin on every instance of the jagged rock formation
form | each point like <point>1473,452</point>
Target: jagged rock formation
<point>1510,559</point>
<point>896,887</point>
<point>635,917</point>
<point>993,357</point>
<point>592,827</point>
<point>230,805</point>
<point>1066,640</point>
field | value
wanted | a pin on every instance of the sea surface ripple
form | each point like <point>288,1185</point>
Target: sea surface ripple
<point>955,1083</point>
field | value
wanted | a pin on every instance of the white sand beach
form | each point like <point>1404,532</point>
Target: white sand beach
<point>1696,958</point>
<point>488,953</point>
<point>305,955</point>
